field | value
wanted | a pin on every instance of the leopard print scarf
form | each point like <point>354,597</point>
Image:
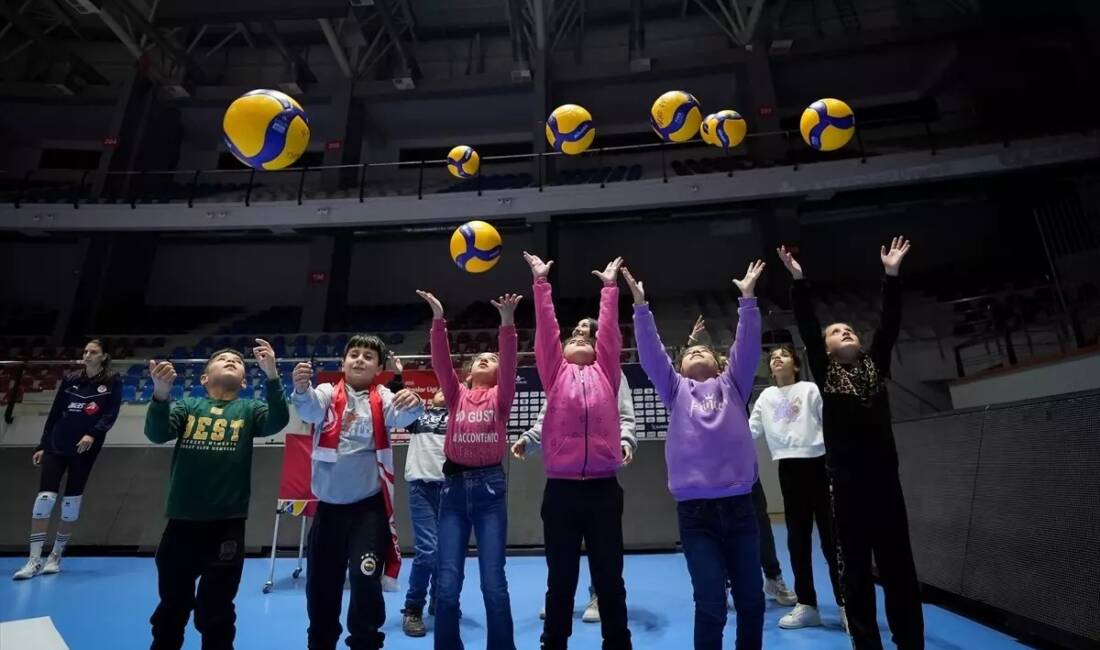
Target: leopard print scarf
<point>861,380</point>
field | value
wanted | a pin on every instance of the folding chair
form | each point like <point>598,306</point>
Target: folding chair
<point>295,497</point>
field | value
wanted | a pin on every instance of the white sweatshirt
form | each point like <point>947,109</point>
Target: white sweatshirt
<point>789,418</point>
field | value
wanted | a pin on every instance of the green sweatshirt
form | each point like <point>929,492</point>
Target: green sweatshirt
<point>212,465</point>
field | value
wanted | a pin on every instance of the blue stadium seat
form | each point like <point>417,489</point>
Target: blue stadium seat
<point>177,392</point>
<point>198,390</point>
<point>179,352</point>
<point>146,393</point>
<point>129,393</point>
<point>247,392</point>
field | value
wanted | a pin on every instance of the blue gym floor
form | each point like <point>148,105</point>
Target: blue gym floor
<point>105,603</point>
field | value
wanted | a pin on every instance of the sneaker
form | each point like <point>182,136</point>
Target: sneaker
<point>778,590</point>
<point>591,612</point>
<point>729,602</point>
<point>30,569</point>
<point>800,616</point>
<point>844,619</point>
<point>53,565</point>
<point>413,623</point>
<point>542,613</point>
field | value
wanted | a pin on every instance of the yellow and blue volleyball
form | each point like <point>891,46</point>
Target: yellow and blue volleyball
<point>266,129</point>
<point>463,162</point>
<point>475,246</point>
<point>569,129</point>
<point>675,116</point>
<point>827,124</point>
<point>724,129</point>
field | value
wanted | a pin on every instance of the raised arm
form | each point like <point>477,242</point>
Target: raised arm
<point>745,351</point>
<point>651,352</point>
<point>272,417</point>
<point>444,369</point>
<point>548,352</point>
<point>808,325</point>
<point>889,326</point>
<point>609,337</point>
<point>310,402</point>
<point>508,350</point>
<point>164,421</point>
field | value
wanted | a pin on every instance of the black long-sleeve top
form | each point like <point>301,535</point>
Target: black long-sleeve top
<point>82,405</point>
<point>859,438</point>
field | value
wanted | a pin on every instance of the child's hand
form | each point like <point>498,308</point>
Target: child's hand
<point>519,449</point>
<point>892,259</point>
<point>747,284</point>
<point>628,454</point>
<point>302,376</point>
<point>265,356</point>
<point>506,305</point>
<point>164,375</point>
<point>433,302</point>
<point>405,399</point>
<point>636,288</point>
<point>608,275</point>
<point>398,365</point>
<point>539,269</point>
<point>790,262</point>
<point>697,329</point>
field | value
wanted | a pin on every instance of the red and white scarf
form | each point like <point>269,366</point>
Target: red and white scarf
<point>324,450</point>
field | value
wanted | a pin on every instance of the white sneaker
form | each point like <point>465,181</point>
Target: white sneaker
<point>32,568</point>
<point>53,565</point>
<point>778,590</point>
<point>729,602</point>
<point>591,612</point>
<point>844,619</point>
<point>800,616</point>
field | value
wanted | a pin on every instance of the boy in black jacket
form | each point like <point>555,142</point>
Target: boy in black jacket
<point>862,459</point>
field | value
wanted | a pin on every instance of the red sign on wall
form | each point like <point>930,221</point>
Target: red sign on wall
<point>318,277</point>
<point>110,141</point>
<point>334,145</point>
<point>421,382</point>
<point>765,110</point>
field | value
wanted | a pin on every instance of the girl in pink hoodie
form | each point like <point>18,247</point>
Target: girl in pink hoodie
<point>581,452</point>
<point>473,495</point>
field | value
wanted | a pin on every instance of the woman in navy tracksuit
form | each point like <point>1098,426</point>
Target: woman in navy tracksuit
<point>83,411</point>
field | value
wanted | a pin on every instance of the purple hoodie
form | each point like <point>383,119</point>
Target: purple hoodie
<point>709,452</point>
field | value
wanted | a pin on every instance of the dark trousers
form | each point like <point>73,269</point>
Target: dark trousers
<point>768,560</point>
<point>805,486</point>
<point>590,511</point>
<point>870,518</point>
<point>211,552</point>
<point>348,539</point>
<point>78,467</point>
<point>720,541</point>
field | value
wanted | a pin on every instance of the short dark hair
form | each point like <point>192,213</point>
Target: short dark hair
<point>370,342</point>
<point>218,353</point>
<point>789,349</point>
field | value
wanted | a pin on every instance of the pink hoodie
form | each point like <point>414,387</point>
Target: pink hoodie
<point>580,435</point>
<point>476,426</point>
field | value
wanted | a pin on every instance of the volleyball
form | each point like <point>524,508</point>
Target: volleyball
<point>569,129</point>
<point>266,129</point>
<point>827,124</point>
<point>475,246</point>
<point>675,116</point>
<point>463,162</point>
<point>724,129</point>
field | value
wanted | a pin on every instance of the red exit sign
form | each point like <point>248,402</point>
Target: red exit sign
<point>318,277</point>
<point>110,141</point>
<point>334,145</point>
<point>765,110</point>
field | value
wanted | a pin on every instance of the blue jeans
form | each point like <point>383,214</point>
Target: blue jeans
<point>720,539</point>
<point>424,509</point>
<point>474,499</point>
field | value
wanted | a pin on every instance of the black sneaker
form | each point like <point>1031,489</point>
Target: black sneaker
<point>413,623</point>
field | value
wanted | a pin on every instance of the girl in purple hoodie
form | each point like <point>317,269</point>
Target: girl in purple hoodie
<point>581,452</point>
<point>711,463</point>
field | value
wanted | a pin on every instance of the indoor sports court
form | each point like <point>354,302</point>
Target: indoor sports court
<point>546,324</point>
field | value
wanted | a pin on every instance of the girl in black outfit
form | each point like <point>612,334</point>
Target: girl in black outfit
<point>84,410</point>
<point>862,460</point>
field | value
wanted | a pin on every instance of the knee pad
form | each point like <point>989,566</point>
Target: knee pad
<point>70,508</point>
<point>43,505</point>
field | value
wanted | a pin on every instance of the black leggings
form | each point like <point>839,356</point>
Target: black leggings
<point>79,468</point>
